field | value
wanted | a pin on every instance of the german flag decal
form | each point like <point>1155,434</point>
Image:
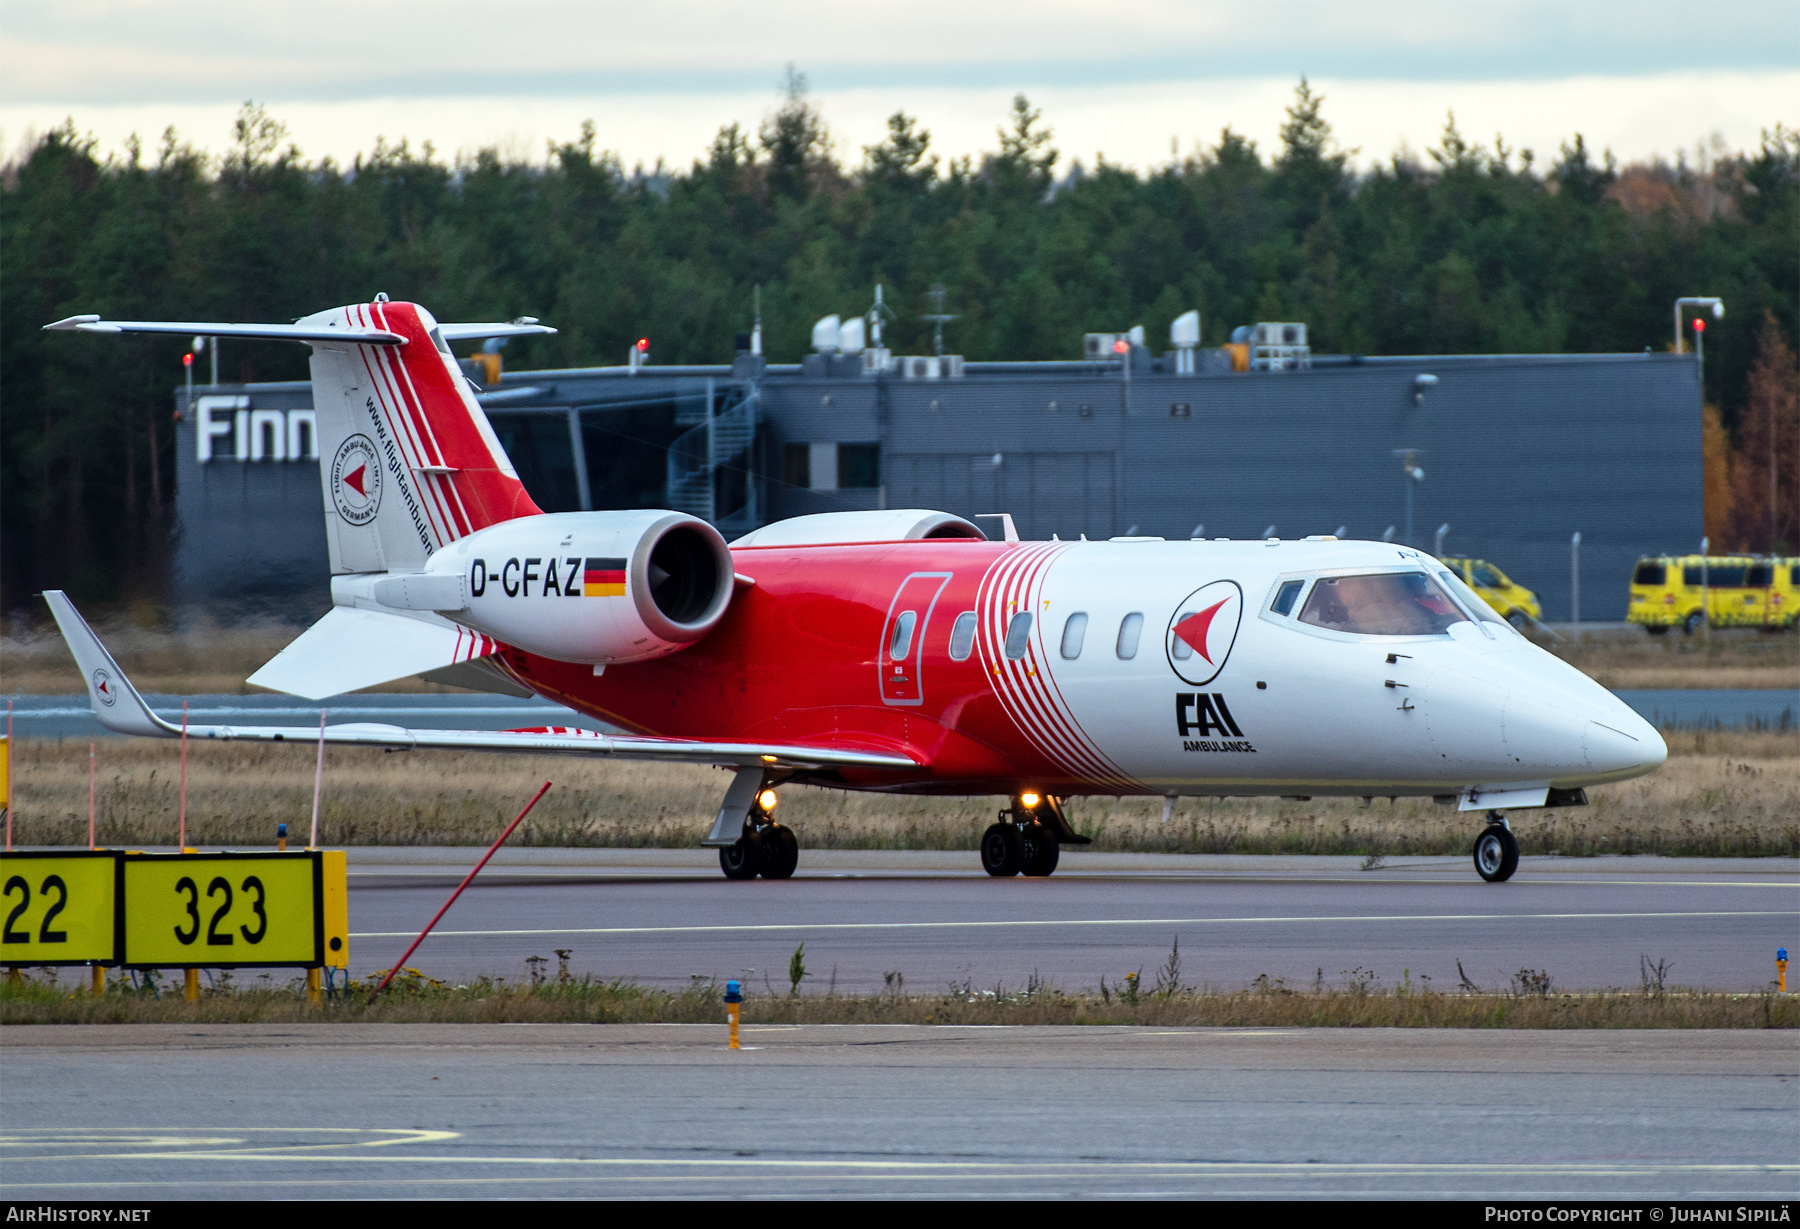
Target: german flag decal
<point>603,578</point>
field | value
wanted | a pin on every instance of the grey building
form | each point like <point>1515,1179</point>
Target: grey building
<point>1518,452</point>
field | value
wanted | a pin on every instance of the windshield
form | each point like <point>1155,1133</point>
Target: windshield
<point>1384,604</point>
<point>1472,601</point>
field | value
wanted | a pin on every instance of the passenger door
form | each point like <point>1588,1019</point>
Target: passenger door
<point>901,659</point>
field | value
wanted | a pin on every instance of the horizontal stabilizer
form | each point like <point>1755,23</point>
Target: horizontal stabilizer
<point>350,649</point>
<point>204,328</point>
<point>525,326</point>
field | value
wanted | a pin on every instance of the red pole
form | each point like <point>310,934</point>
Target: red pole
<point>91,844</point>
<point>470,878</point>
<point>182,847</point>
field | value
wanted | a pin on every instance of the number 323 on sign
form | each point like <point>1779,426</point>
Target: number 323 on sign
<point>223,910</point>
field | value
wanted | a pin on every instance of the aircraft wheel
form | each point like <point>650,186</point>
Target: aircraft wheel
<point>1003,850</point>
<point>1042,851</point>
<point>781,852</point>
<point>1496,854</point>
<point>744,858</point>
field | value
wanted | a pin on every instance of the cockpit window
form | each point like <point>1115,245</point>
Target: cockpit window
<point>1284,596</point>
<point>1383,604</point>
<point>1472,601</point>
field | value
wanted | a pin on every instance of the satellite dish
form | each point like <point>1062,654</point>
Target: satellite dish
<point>825,335</point>
<point>1184,333</point>
<point>850,336</point>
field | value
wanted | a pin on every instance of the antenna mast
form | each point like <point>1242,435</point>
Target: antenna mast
<point>937,317</point>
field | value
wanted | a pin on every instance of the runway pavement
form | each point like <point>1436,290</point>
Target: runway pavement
<point>663,916</point>
<point>466,1111</point>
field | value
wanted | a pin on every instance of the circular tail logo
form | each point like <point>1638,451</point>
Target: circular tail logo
<point>105,688</point>
<point>1202,631</point>
<point>356,480</point>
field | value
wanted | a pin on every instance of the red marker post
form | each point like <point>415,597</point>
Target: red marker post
<point>467,880</point>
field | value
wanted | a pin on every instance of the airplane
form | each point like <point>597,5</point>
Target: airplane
<point>896,651</point>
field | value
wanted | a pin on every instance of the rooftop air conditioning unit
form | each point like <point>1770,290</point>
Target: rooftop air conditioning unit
<point>1098,347</point>
<point>1276,346</point>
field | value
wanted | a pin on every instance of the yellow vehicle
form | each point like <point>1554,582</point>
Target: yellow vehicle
<point>1735,590</point>
<point>1510,600</point>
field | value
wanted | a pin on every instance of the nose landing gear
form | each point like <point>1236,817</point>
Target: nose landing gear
<point>1496,850</point>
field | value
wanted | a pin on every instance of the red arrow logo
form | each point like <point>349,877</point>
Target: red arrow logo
<point>1192,630</point>
<point>354,480</point>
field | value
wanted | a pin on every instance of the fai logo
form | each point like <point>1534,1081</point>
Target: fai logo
<point>105,688</point>
<point>356,480</point>
<point>1203,630</point>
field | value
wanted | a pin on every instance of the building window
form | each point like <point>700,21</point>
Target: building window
<point>859,466</point>
<point>796,465</point>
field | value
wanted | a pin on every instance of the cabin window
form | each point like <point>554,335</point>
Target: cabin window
<point>1728,577</point>
<point>1382,604</point>
<point>1484,575</point>
<point>1074,631</point>
<point>1286,595</point>
<point>1760,576</point>
<point>962,636</point>
<point>1129,630</point>
<point>1018,635</point>
<point>1649,574</point>
<point>1690,576</point>
<point>902,641</point>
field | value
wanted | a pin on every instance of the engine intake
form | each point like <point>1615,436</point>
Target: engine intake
<point>599,587</point>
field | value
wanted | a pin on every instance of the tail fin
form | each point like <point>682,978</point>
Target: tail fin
<point>408,459</point>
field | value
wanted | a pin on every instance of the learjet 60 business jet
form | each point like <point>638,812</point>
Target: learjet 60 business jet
<point>895,651</point>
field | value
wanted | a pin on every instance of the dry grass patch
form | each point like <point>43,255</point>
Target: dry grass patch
<point>1720,794</point>
<point>418,1000</point>
<point>205,660</point>
<point>1729,658</point>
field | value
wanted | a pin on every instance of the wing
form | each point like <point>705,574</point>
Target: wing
<point>120,708</point>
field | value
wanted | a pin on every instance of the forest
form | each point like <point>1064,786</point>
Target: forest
<point>1471,247</point>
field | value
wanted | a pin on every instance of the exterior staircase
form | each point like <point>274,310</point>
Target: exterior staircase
<point>705,458</point>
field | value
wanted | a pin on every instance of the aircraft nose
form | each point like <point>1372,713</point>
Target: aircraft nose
<point>1620,744</point>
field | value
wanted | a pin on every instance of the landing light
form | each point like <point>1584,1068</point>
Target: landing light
<point>1029,800</point>
<point>766,800</point>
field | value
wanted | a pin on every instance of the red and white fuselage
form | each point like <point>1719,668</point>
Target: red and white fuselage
<point>814,651</point>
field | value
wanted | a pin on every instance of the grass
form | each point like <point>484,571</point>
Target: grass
<point>215,660</point>
<point>1721,794</point>
<point>1532,1003</point>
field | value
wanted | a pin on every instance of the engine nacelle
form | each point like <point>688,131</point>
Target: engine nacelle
<point>599,587</point>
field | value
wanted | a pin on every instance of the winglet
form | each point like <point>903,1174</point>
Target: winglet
<point>115,701</point>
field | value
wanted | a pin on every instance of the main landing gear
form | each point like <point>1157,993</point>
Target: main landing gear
<point>766,848</point>
<point>1496,850</point>
<point>749,841</point>
<point>1028,838</point>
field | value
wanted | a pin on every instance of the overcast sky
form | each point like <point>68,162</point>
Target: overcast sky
<point>1643,78</point>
